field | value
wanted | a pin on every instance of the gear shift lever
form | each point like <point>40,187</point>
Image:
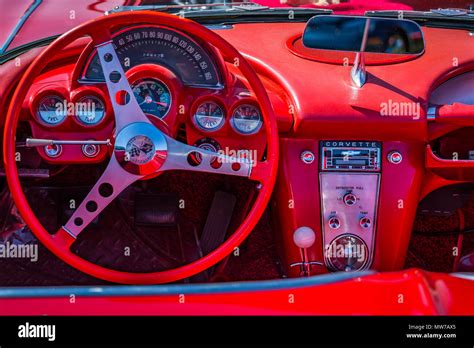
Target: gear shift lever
<point>304,238</point>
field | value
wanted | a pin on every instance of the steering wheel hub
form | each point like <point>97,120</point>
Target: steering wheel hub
<point>141,148</point>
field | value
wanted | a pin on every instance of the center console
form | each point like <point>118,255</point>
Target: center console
<point>349,180</point>
<point>346,205</point>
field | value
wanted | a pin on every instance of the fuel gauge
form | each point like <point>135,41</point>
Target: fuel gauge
<point>52,110</point>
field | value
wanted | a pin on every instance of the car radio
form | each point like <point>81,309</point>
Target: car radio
<point>350,155</point>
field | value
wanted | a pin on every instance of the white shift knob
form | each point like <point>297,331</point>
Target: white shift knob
<point>304,237</point>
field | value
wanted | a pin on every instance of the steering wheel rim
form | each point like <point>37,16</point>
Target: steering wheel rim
<point>59,243</point>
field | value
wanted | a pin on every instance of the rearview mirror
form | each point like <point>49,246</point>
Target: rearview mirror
<point>382,35</point>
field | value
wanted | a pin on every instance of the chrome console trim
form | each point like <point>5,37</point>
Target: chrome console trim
<point>333,186</point>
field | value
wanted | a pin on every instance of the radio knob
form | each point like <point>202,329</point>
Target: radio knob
<point>349,199</point>
<point>334,222</point>
<point>365,222</point>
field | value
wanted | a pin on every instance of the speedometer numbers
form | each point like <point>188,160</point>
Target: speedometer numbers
<point>189,60</point>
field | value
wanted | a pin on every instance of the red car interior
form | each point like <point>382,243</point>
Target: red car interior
<point>289,162</point>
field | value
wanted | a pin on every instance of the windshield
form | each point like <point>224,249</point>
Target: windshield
<point>31,20</point>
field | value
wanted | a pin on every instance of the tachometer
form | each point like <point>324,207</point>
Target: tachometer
<point>168,48</point>
<point>246,119</point>
<point>90,110</point>
<point>209,116</point>
<point>153,96</point>
<point>52,110</point>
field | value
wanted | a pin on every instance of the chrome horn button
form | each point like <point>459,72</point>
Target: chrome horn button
<point>140,148</point>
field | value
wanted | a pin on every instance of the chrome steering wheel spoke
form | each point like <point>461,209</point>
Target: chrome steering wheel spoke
<point>113,181</point>
<point>126,108</point>
<point>185,157</point>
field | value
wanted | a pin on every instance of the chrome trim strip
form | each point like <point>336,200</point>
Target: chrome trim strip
<point>463,275</point>
<point>344,178</point>
<point>174,289</point>
<point>19,25</point>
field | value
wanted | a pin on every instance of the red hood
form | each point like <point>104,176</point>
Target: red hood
<point>49,18</point>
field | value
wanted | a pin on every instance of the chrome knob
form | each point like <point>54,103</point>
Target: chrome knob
<point>334,222</point>
<point>349,199</point>
<point>394,157</point>
<point>53,150</point>
<point>90,150</point>
<point>365,222</point>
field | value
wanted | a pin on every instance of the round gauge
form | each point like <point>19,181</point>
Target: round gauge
<point>90,110</point>
<point>209,116</point>
<point>207,144</point>
<point>157,45</point>
<point>153,96</point>
<point>52,110</point>
<point>246,119</point>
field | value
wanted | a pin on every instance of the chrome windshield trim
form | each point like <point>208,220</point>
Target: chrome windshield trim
<point>173,289</point>
<point>19,25</point>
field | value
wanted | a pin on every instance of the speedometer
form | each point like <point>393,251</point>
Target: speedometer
<point>156,45</point>
<point>246,119</point>
<point>153,96</point>
<point>209,116</point>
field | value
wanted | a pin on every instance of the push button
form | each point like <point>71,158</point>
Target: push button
<point>394,157</point>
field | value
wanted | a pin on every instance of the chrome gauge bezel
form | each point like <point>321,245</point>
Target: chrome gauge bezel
<point>155,80</point>
<point>38,111</point>
<point>240,131</point>
<point>97,99</point>
<point>198,123</point>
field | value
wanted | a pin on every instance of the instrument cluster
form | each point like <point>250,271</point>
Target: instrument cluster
<point>174,80</point>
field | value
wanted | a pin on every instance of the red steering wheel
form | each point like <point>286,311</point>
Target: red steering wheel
<point>132,129</point>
